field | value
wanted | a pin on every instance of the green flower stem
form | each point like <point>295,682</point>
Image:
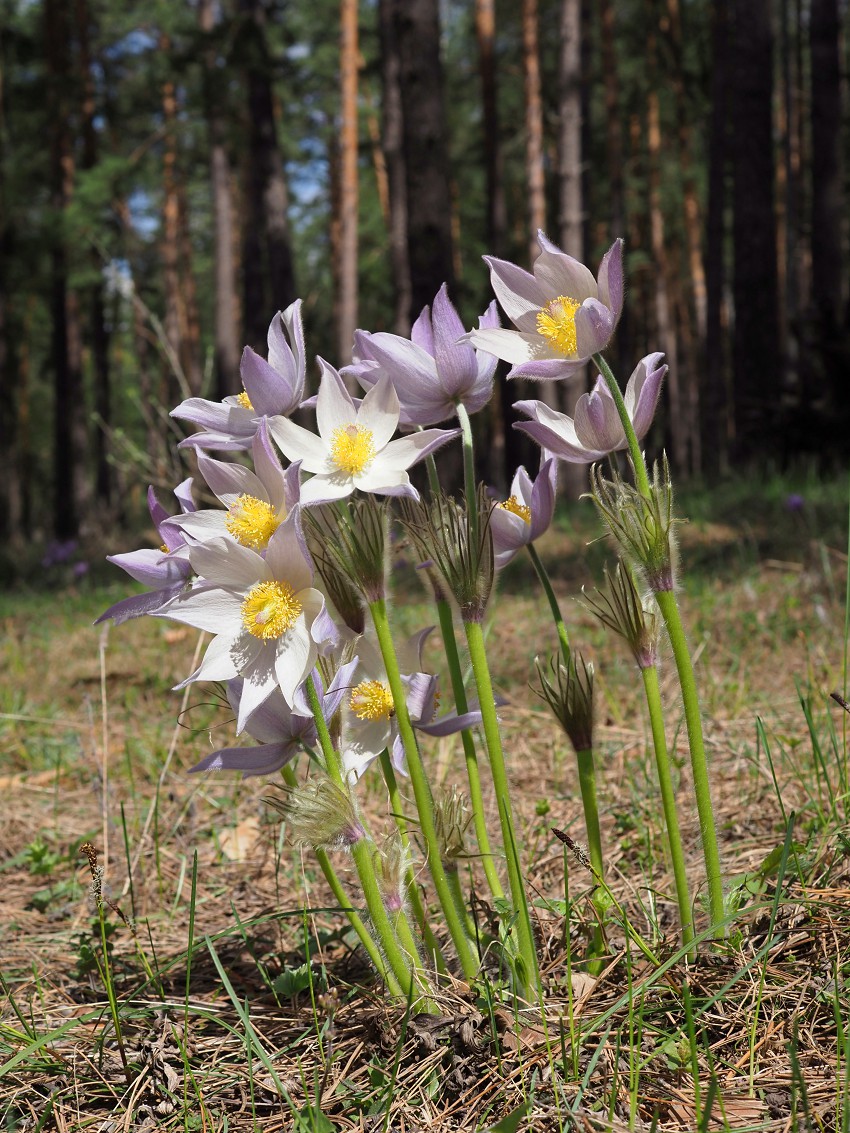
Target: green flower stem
<point>444,612</point>
<point>641,474</point>
<point>557,617</point>
<point>699,767</point>
<point>453,878</point>
<point>587,786</point>
<point>469,485</point>
<point>421,791</point>
<point>668,800</point>
<point>690,698</point>
<point>407,968</point>
<point>432,945</point>
<point>484,686</point>
<point>345,905</point>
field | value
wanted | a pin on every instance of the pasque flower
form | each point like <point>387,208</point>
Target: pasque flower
<point>354,448</point>
<point>281,731</point>
<point>596,429</point>
<point>525,514</point>
<point>255,503</point>
<point>166,570</point>
<point>267,618</point>
<point>273,387</point>
<point>562,314</point>
<point>432,372</point>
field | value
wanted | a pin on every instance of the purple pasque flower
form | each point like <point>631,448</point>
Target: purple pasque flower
<point>354,447</point>
<point>562,314</point>
<point>432,372</point>
<point>596,429</point>
<point>270,388</point>
<point>166,570</point>
<point>369,723</point>
<point>256,503</point>
<point>526,513</point>
<point>268,619</point>
<point>281,731</point>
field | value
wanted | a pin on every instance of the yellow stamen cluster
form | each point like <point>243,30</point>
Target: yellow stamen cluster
<point>244,400</point>
<point>513,505</point>
<point>269,609</point>
<point>557,323</point>
<point>371,700</point>
<point>252,522</point>
<point>352,448</point>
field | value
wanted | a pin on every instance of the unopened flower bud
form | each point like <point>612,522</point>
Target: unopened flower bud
<point>320,814</point>
<point>452,817</point>
<point>354,540</point>
<point>620,607</point>
<point>568,690</point>
<point>392,861</point>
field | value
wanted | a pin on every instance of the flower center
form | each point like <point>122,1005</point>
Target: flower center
<point>371,700</point>
<point>557,323</point>
<point>244,400</point>
<point>513,505</point>
<point>269,609</point>
<point>252,522</point>
<point>352,448</point>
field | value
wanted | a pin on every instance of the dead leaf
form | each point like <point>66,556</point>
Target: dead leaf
<point>239,842</point>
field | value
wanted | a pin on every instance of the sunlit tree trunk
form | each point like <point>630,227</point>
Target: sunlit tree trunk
<point>429,205</point>
<point>485,31</point>
<point>755,289</point>
<point>348,139</point>
<point>226,331</point>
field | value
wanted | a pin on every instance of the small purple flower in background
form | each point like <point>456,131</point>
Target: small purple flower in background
<point>267,617</point>
<point>432,372</point>
<point>58,552</point>
<point>81,569</point>
<point>271,388</point>
<point>562,314</point>
<point>795,502</point>
<point>282,733</point>
<point>526,514</point>
<point>166,570</point>
<point>354,447</point>
<point>256,502</point>
<point>596,430</point>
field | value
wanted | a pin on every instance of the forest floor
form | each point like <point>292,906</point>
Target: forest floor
<point>211,915</point>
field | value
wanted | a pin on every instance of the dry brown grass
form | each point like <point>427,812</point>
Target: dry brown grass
<point>767,1036</point>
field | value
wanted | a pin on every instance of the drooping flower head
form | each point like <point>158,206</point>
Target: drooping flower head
<point>354,448</point>
<point>525,514</point>
<point>255,503</point>
<point>432,372</point>
<point>270,388</point>
<point>596,429</point>
<point>267,618</point>
<point>562,314</point>
<point>166,570</point>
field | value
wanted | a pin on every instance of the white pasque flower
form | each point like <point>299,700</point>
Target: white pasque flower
<point>267,618</point>
<point>354,448</point>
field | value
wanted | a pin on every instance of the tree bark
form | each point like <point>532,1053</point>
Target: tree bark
<point>348,195</point>
<point>392,141</point>
<point>485,32</point>
<point>714,401</point>
<point>755,287</point>
<point>226,334</point>
<point>267,250</point>
<point>427,176</point>
<point>534,169</point>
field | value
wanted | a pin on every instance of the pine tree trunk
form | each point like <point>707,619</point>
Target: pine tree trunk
<point>226,304</point>
<point>348,195</point>
<point>534,170</point>
<point>757,368</point>
<point>485,32</point>
<point>392,141</point>
<point>427,176</point>
<point>68,438</point>
<point>266,242</point>
<point>714,402</point>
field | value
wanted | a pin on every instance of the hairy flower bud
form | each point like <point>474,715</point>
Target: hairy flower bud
<point>452,817</point>
<point>392,861</point>
<point>354,540</point>
<point>642,526</point>
<point>620,607</point>
<point>320,814</point>
<point>568,690</point>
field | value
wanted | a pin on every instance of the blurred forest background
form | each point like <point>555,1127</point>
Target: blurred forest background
<point>174,172</point>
